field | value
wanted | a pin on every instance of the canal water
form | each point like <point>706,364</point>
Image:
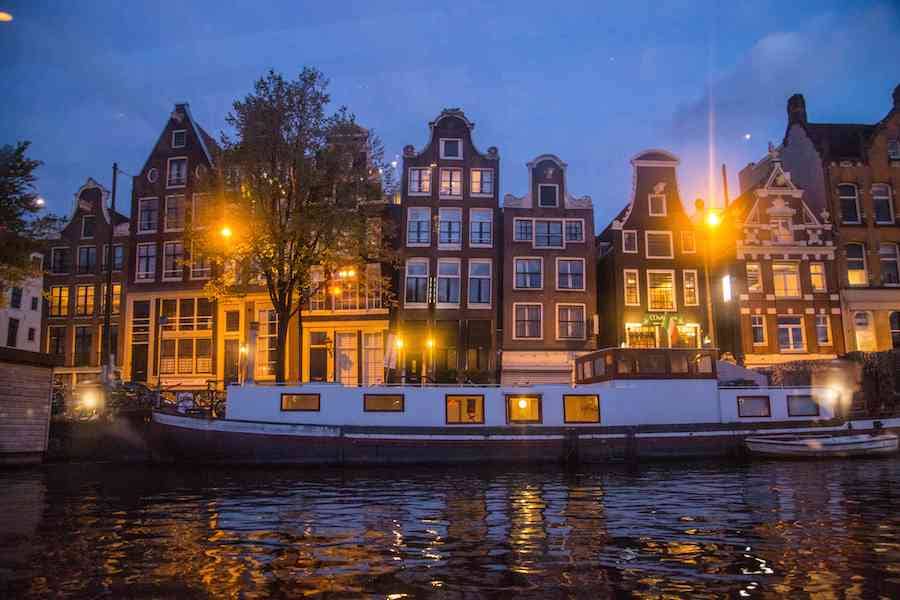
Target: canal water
<point>685,530</point>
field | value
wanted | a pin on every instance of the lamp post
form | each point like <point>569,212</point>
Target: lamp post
<point>711,219</point>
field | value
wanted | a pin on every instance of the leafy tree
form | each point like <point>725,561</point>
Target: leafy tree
<point>294,191</point>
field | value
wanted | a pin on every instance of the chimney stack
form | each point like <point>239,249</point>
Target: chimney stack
<point>896,96</point>
<point>796,109</point>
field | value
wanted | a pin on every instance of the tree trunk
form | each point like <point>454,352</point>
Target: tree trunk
<point>300,337</point>
<point>280,346</point>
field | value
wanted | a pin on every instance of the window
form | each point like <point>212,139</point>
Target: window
<point>856,264</point>
<point>781,231</point>
<point>448,282</point>
<point>817,277</point>
<point>383,402</point>
<point>657,205</point>
<point>548,234</point>
<point>548,195</point>
<point>267,343</point>
<point>60,260</point>
<point>527,321</point>
<point>661,290</point>
<point>570,321</point>
<point>895,329</point>
<point>300,402</point>
<point>790,333</point>
<point>523,409</point>
<point>823,330</point>
<point>890,264</point>
<point>15,297</point>
<point>83,340</point>
<point>523,230</point>
<point>148,213</point>
<point>418,226</point>
<point>420,181</point>
<point>200,210</point>
<point>758,329</point>
<point>659,244</point>
<point>632,288</point>
<point>201,266</point>
<point>179,138</point>
<point>581,408</point>
<point>451,148</point>
<point>417,281</point>
<point>629,242</point>
<point>87,226</point>
<point>174,213</point>
<point>451,182</point>
<point>575,230</point>
<point>146,262</point>
<point>116,298</point>
<point>12,332</point>
<point>31,334</point>
<point>570,274</point>
<point>480,227</point>
<point>529,274</point>
<point>639,336</point>
<point>84,300</point>
<point>87,259</point>
<point>34,303</point>
<point>802,406</point>
<point>59,301</point>
<point>463,410</point>
<point>754,406</point>
<point>482,182</point>
<point>450,227</point>
<point>479,282</point>
<point>177,175</point>
<point>173,260</point>
<point>786,279</point>
<point>56,341</point>
<point>118,256</point>
<point>691,295</point>
<point>894,149</point>
<point>688,242</point>
<point>881,202</point>
<point>849,203</point>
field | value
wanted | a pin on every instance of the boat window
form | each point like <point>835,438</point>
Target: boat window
<point>754,406</point>
<point>679,363</point>
<point>651,363</point>
<point>599,367</point>
<point>465,409</point>
<point>704,364</point>
<point>588,369</point>
<point>802,406</point>
<point>624,365</point>
<point>383,402</point>
<point>304,402</point>
<point>581,408</point>
<point>523,408</point>
<point>579,372</point>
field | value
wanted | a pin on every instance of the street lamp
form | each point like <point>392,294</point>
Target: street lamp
<point>225,232</point>
<point>712,219</point>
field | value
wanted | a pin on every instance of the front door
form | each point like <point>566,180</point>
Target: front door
<point>139,362</point>
<point>346,358</point>
<point>232,361</point>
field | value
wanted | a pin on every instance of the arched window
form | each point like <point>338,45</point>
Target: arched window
<point>895,329</point>
<point>882,204</point>
<point>889,255</point>
<point>849,203</point>
<point>856,264</point>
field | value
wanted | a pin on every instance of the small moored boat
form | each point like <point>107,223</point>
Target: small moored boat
<point>877,444</point>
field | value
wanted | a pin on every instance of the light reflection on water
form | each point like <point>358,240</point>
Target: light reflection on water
<point>698,530</point>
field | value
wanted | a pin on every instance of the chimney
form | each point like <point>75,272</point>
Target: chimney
<point>896,96</point>
<point>796,109</point>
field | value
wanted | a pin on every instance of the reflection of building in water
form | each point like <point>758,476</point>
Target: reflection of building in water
<point>528,529</point>
<point>586,535</point>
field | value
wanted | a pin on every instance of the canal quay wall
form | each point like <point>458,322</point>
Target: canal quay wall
<point>26,382</point>
<point>123,438</point>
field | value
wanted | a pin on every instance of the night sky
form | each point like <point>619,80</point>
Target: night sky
<point>93,82</point>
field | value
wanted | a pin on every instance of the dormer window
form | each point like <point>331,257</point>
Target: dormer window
<point>657,205</point>
<point>179,139</point>
<point>87,226</point>
<point>548,196</point>
<point>894,149</point>
<point>451,149</point>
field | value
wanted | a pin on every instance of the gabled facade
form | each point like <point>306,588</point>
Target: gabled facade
<point>74,286</point>
<point>651,276</point>
<point>549,310</point>
<point>20,315</point>
<point>779,257</point>
<point>448,305</point>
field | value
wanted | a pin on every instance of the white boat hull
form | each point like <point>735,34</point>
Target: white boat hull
<point>823,447</point>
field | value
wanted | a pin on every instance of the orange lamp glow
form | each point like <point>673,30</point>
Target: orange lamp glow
<point>5,17</point>
<point>226,232</point>
<point>713,219</point>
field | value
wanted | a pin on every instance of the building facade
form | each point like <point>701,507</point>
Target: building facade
<point>446,319</point>
<point>779,257</point>
<point>75,286</point>
<point>549,278</point>
<point>651,276</point>
<point>20,315</point>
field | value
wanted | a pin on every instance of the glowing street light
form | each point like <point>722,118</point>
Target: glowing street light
<point>429,342</point>
<point>5,17</point>
<point>226,232</point>
<point>523,403</point>
<point>713,219</point>
<point>398,343</point>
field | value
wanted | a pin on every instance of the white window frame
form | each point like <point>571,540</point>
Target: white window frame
<point>665,207</point>
<point>890,202</point>
<point>490,222</point>
<point>176,131</point>
<point>556,193</point>
<point>647,235</point>
<point>830,341</point>
<point>139,211</point>
<point>149,275</point>
<point>179,268</point>
<point>765,336</point>
<point>865,261</point>
<point>451,170</point>
<point>169,185</point>
<point>410,244</point>
<point>796,266</point>
<point>560,259</point>
<point>693,239</point>
<point>490,280</point>
<point>758,289</point>
<point>566,240</point>
<point>895,260</point>
<point>416,260</point>
<point>859,216</point>
<point>472,192</point>
<point>112,257</point>
<point>674,291</point>
<point>450,210</point>
<point>165,213</point>
<point>541,262</point>
<point>443,154</point>
<point>515,230</point>
<point>197,198</point>
<point>53,262</point>
<point>429,174</point>
<point>802,327</point>
<point>78,271</point>
<point>541,321</point>
<point>562,233</point>
<point>83,217</point>
<point>194,271</point>
<point>438,277</point>
<point>583,308</point>
<point>812,285</point>
<point>632,233</point>
<point>696,277</point>
<point>637,280</point>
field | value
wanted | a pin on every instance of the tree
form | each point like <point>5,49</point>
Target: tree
<point>21,229</point>
<point>293,189</point>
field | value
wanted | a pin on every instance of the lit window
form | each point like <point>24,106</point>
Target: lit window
<point>148,213</point>
<point>632,288</point>
<point>173,257</point>
<point>523,230</point>
<point>823,330</point>
<point>59,301</point>
<point>146,262</point>
<point>639,336</point>
<point>177,175</point>
<point>418,226</point>
<point>548,196</point>
<point>817,277</point>
<point>849,203</point>
<point>570,321</point>
<point>84,300</point>
<point>479,282</point>
<point>881,201</point>
<point>659,244</point>
<point>575,231</point>
<point>174,220</point>
<point>786,279</point>
<point>267,343</point>
<point>581,408</point>
<point>465,409</point>
<point>448,282</point>
<point>528,274</point>
<point>420,181</point>
<point>383,402</point>
<point>548,234</point>
<point>482,182</point>
<point>300,402</point>
<point>116,298</point>
<point>451,148</point>
<point>523,409</point>
<point>691,296</point>
<point>688,242</point>
<point>790,333</point>
<point>657,204</point>
<point>890,264</point>
<point>570,274</point>
<point>527,321</point>
<point>451,182</point>
<point>450,227</point>
<point>661,290</point>
<point>417,281</point>
<point>856,265</point>
<point>480,227</point>
<point>629,242</point>
<point>754,278</point>
<point>758,329</point>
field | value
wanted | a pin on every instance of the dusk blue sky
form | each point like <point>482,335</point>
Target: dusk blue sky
<point>93,82</point>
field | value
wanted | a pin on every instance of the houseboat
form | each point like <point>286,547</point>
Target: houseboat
<point>623,404</point>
